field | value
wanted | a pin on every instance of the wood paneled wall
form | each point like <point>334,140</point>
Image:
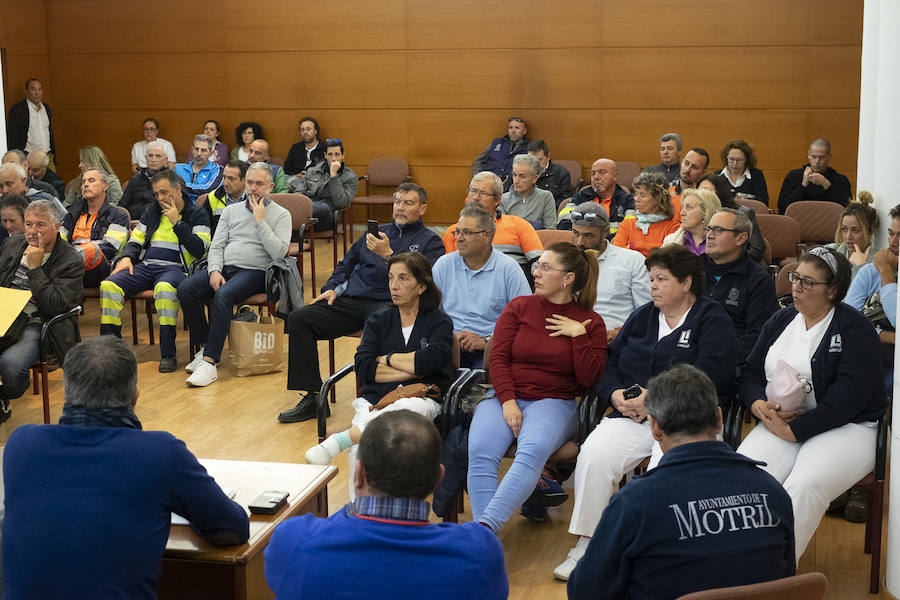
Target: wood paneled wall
<point>435,81</point>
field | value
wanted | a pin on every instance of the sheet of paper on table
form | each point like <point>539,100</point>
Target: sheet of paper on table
<point>11,304</point>
<point>179,520</point>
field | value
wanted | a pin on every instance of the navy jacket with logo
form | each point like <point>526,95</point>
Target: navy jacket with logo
<point>705,517</point>
<point>746,292</point>
<point>846,372</point>
<point>706,340</point>
<point>498,156</point>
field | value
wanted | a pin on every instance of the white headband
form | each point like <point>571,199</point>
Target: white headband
<point>826,255</point>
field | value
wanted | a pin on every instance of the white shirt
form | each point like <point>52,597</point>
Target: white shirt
<point>796,346</point>
<point>740,180</point>
<point>623,284</point>
<point>407,331</point>
<point>243,155</point>
<point>139,152</point>
<point>664,328</point>
<point>38,128</point>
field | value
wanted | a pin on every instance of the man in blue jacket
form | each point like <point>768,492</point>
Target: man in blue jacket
<point>705,517</point>
<point>381,545</point>
<point>201,175</point>
<point>357,287</point>
<point>498,156</point>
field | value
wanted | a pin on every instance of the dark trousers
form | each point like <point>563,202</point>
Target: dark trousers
<point>319,321</point>
<point>195,291</point>
<point>325,214</point>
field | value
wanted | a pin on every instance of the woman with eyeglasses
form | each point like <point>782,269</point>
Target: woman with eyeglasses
<point>697,208</point>
<point>654,220</point>
<point>739,167</point>
<point>814,383</point>
<point>547,349</point>
<point>679,325</point>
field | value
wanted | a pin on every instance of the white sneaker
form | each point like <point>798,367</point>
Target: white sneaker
<point>565,569</point>
<point>192,366</point>
<point>203,375</point>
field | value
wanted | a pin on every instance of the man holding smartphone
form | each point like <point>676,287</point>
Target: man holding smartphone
<point>330,184</point>
<point>357,288</point>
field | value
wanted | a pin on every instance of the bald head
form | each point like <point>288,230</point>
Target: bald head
<point>259,151</point>
<point>603,177</point>
<point>36,163</point>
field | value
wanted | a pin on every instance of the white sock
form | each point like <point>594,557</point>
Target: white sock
<point>581,545</point>
<point>324,453</point>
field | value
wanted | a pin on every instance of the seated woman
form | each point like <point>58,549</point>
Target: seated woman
<point>654,215</point>
<point>855,236</point>
<point>547,348</point>
<point>830,354</point>
<point>92,157</point>
<point>244,134</point>
<point>718,184</point>
<point>679,325</point>
<point>739,167</point>
<point>697,208</point>
<point>405,344</point>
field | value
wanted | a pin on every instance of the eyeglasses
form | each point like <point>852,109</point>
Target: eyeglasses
<point>150,129</point>
<point>805,283</point>
<point>717,230</point>
<point>476,193</point>
<point>544,268</point>
<point>588,217</point>
<point>334,140</point>
<point>463,233</point>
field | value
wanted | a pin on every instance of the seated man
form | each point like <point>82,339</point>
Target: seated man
<point>139,194</point>
<point>37,164</point>
<point>622,281</point>
<point>615,200</point>
<point>357,288</point>
<point>18,157</point>
<point>705,517</point>
<point>14,180</point>
<point>259,152</point>
<point>330,184</point>
<point>308,151</point>
<point>95,228</point>
<point>498,156</point>
<point>250,235</point>
<point>513,235</point>
<point>231,191</point>
<point>41,262</point>
<point>743,288</point>
<point>554,178</point>
<point>670,155</point>
<point>201,175</point>
<point>477,282</point>
<point>119,486</point>
<point>170,236</point>
<point>12,215</point>
<point>398,464</point>
<point>524,199</point>
<point>693,167</point>
<point>815,180</point>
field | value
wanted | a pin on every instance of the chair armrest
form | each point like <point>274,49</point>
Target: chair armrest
<point>734,423</point>
<point>322,400</point>
<point>453,402</point>
<point>366,179</point>
<point>72,313</point>
<point>444,417</point>
<point>881,440</point>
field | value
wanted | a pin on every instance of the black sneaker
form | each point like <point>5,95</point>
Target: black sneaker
<point>857,508</point>
<point>168,364</point>
<point>304,411</point>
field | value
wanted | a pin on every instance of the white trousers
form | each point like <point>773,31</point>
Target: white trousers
<point>612,450</point>
<point>816,471</point>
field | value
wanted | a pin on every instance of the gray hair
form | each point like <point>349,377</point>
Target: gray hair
<point>104,177</point>
<point>202,137</point>
<point>47,205</point>
<point>15,168</point>
<point>41,155</point>
<point>821,143</point>
<point>495,181</point>
<point>157,145</point>
<point>530,161</point>
<point>484,219</point>
<point>683,401</point>
<point>671,137</point>
<point>17,153</point>
<point>261,166</point>
<point>100,372</point>
<point>742,222</point>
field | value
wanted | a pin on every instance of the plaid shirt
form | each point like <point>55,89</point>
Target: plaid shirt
<point>406,509</point>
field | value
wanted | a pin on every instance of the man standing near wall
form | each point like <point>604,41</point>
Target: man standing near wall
<point>30,126</point>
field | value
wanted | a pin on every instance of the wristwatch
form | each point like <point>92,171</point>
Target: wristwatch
<point>486,338</point>
<point>387,359</point>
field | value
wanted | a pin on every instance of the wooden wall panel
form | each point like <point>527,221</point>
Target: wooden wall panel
<point>435,81</point>
<point>23,33</point>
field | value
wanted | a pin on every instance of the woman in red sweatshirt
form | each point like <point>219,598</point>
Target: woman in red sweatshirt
<point>547,348</point>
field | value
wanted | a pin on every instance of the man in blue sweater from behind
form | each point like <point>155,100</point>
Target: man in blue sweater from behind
<point>89,501</point>
<point>381,545</point>
<point>705,517</point>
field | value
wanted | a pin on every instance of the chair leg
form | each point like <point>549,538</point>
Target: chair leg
<point>876,513</point>
<point>148,308</point>
<point>345,217</point>
<point>331,368</point>
<point>312,259</point>
<point>45,391</point>
<point>334,247</point>
<point>34,379</point>
<point>134,339</point>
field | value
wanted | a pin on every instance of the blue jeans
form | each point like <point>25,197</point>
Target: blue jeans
<point>546,425</point>
<point>195,291</point>
<point>16,361</point>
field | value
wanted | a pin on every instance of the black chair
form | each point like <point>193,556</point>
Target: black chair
<point>42,366</point>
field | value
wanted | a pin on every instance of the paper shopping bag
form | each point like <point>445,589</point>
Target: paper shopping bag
<point>256,347</point>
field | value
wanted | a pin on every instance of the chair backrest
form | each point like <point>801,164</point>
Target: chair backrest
<point>298,205</point>
<point>551,236</point>
<point>574,169</point>
<point>818,220</point>
<point>768,252</point>
<point>808,586</point>
<point>782,232</point>
<point>626,172</point>
<point>455,351</point>
<point>758,207</point>
<point>782,285</point>
<point>201,200</point>
<point>388,171</point>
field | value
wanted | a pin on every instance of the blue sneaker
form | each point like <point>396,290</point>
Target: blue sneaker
<point>538,514</point>
<point>547,492</point>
